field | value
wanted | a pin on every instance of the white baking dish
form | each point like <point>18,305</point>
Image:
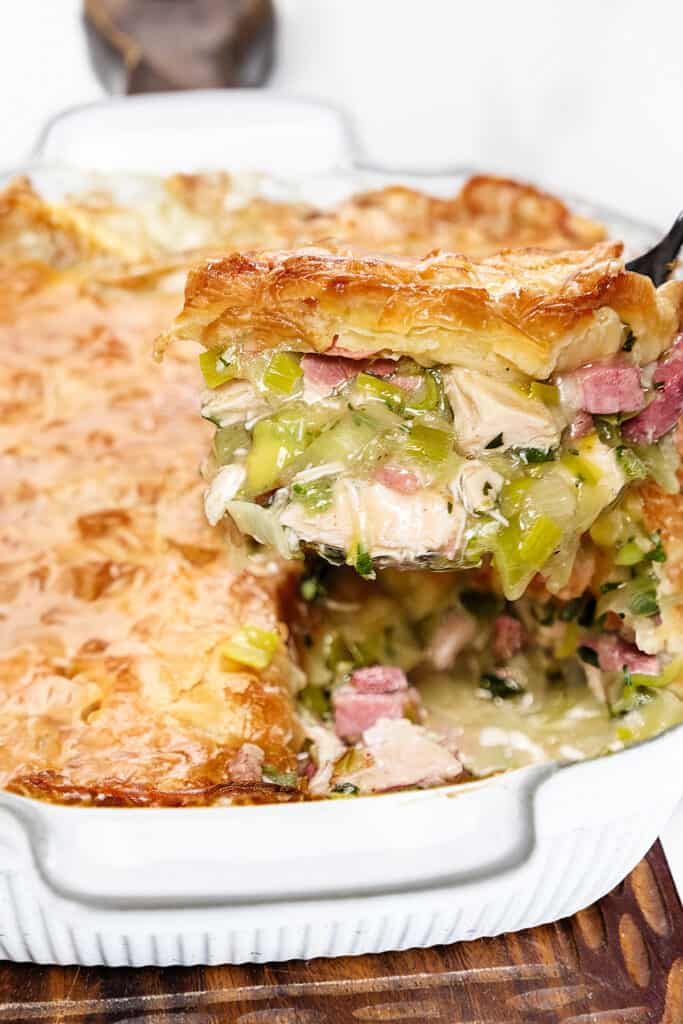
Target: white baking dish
<point>236,884</point>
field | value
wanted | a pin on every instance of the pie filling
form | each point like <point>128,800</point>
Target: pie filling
<point>417,677</point>
<point>384,462</point>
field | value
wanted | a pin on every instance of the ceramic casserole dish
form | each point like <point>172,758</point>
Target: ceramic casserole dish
<point>261,883</point>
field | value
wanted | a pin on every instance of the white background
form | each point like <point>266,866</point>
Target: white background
<point>585,97</point>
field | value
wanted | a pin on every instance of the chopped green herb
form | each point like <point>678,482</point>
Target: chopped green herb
<point>588,655</point>
<point>605,588</point>
<point>362,562</point>
<point>657,554</point>
<point>345,789</point>
<point>499,686</point>
<point>644,602</point>
<point>315,496</point>
<point>288,779</point>
<point>497,442</point>
<point>534,456</point>
<point>608,430</point>
<point>659,385</point>
<point>629,341</point>
<point>633,467</point>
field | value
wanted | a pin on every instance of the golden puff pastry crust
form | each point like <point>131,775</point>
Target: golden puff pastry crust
<point>116,594</point>
<point>486,215</point>
<point>529,310</point>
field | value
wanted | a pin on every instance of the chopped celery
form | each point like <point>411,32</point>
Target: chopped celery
<point>351,761</point>
<point>283,373</point>
<point>252,646</point>
<point>227,440</point>
<point>671,673</point>
<point>633,467</point>
<point>514,495</point>
<point>315,496</point>
<point>353,438</point>
<point>430,397</point>
<point>608,529</point>
<point>263,525</point>
<point>481,540</point>
<point>382,390</point>
<point>549,394</point>
<point>277,441</point>
<point>539,542</point>
<point>289,779</point>
<point>359,558</point>
<point>521,551</point>
<point>583,469</point>
<point>214,370</point>
<point>662,463</point>
<point>428,443</point>
<point>629,553</point>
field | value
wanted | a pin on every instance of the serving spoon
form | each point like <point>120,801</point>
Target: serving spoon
<point>658,263</point>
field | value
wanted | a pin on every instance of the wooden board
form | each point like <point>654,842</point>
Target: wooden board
<point>619,962</point>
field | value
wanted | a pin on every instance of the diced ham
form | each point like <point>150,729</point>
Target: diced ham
<point>358,705</point>
<point>665,409</point>
<point>404,481</point>
<point>604,388</point>
<point>509,637</point>
<point>379,679</point>
<point>329,371</point>
<point>614,654</point>
<point>455,631</point>
<point>246,765</point>
<point>580,426</point>
<point>380,367</point>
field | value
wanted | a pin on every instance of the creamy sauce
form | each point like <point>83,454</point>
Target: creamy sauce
<point>565,723</point>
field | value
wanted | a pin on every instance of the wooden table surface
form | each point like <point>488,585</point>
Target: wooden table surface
<point>618,962</point>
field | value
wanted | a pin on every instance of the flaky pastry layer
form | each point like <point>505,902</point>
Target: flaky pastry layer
<point>534,311</point>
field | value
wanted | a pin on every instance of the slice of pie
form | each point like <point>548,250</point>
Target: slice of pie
<point>434,413</point>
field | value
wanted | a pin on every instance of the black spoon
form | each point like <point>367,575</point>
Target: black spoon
<point>658,263</point>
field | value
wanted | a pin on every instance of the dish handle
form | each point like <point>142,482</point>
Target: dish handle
<point>411,841</point>
<point>247,130</point>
